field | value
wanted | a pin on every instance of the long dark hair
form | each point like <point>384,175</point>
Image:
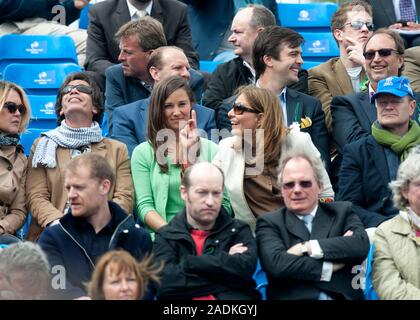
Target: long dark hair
<point>157,121</point>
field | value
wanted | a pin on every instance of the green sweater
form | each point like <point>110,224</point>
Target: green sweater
<point>151,186</point>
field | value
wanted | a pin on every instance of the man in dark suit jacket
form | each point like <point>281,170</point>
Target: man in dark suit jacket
<point>308,248</point>
<point>277,59</point>
<point>385,15</point>
<point>354,114</point>
<point>130,122</point>
<point>370,163</point>
<point>105,18</point>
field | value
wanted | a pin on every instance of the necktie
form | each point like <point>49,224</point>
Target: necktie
<point>407,10</point>
<point>307,219</point>
<point>141,13</point>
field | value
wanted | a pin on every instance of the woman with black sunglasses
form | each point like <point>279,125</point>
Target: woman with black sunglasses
<point>79,111</point>
<point>14,117</point>
<point>249,159</point>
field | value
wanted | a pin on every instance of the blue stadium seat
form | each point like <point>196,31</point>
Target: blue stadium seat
<point>84,17</point>
<point>307,64</point>
<point>306,16</point>
<point>370,293</point>
<point>209,66</point>
<point>23,232</point>
<point>261,279</point>
<point>27,138</point>
<point>15,48</point>
<point>43,111</point>
<point>39,78</point>
<point>319,46</point>
<point>225,56</point>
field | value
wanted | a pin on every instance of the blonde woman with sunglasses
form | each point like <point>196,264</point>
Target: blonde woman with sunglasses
<point>14,117</point>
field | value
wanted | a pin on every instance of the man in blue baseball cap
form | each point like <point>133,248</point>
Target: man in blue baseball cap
<point>370,163</point>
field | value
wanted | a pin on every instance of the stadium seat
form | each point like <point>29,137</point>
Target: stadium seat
<point>307,64</point>
<point>261,280</point>
<point>306,16</point>
<point>43,111</point>
<point>39,77</point>
<point>84,17</point>
<point>23,232</point>
<point>225,56</point>
<point>209,66</point>
<point>370,293</point>
<point>28,137</point>
<point>319,45</point>
<point>15,48</point>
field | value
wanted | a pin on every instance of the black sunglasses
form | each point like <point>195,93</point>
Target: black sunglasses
<point>369,55</point>
<point>305,184</point>
<point>12,107</point>
<point>358,25</point>
<point>80,87</point>
<point>239,108</point>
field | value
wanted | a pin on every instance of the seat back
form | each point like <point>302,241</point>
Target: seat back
<point>306,16</point>
<point>209,66</point>
<point>28,137</point>
<point>16,48</point>
<point>84,17</point>
<point>261,280</point>
<point>370,293</point>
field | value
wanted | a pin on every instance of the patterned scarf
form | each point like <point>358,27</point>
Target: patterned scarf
<point>9,139</point>
<point>65,137</point>
<point>400,145</point>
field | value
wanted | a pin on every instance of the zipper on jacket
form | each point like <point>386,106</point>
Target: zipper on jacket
<point>116,231</point>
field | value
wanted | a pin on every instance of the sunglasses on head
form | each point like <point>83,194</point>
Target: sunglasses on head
<point>358,25</point>
<point>80,87</point>
<point>239,108</point>
<point>369,55</point>
<point>305,184</point>
<point>12,107</point>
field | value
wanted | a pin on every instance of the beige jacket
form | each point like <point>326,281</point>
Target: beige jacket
<point>12,189</point>
<point>396,264</point>
<point>46,196</point>
<point>412,67</point>
<point>328,80</point>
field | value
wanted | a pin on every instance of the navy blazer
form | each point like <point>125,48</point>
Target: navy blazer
<point>130,122</point>
<point>353,116</point>
<point>363,180</point>
<point>384,13</point>
<point>295,277</point>
<point>121,90</point>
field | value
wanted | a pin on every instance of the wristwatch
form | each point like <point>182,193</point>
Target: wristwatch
<point>304,248</point>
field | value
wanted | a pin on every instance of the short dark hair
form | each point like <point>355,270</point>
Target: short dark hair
<point>99,167</point>
<point>269,42</point>
<point>186,179</point>
<point>149,32</point>
<point>97,101</point>
<point>398,40</point>
<point>339,17</point>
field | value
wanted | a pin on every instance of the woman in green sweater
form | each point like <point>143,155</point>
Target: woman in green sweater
<point>173,143</point>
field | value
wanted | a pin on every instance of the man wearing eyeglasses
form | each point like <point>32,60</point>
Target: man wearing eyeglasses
<point>354,114</point>
<point>351,26</point>
<point>370,163</point>
<point>309,248</point>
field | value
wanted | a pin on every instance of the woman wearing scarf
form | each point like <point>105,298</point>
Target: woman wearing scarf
<point>79,111</point>
<point>396,261</point>
<point>14,116</point>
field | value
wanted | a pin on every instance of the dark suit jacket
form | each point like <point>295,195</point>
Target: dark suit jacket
<point>364,178</point>
<point>298,277</point>
<point>353,116</point>
<point>105,18</point>
<point>121,90</point>
<point>130,122</point>
<point>384,13</point>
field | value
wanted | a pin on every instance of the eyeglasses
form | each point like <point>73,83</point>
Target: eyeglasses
<point>358,25</point>
<point>80,87</point>
<point>369,55</point>
<point>12,107</point>
<point>239,108</point>
<point>305,184</point>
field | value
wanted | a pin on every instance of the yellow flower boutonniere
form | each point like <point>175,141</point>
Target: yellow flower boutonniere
<point>305,122</point>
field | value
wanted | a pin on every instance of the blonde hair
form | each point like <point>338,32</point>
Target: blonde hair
<point>122,261</point>
<point>5,88</point>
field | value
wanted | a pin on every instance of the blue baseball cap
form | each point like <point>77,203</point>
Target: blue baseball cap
<point>398,86</point>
